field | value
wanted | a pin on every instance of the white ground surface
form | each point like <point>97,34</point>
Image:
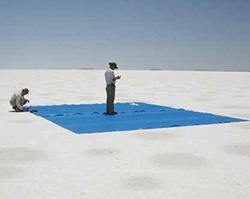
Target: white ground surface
<point>39,159</point>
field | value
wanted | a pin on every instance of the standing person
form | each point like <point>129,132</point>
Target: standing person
<point>17,100</point>
<point>110,88</point>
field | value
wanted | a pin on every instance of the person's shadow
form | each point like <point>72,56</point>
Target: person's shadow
<point>31,111</point>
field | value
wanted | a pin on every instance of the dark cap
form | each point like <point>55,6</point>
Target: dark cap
<point>26,90</point>
<point>113,64</point>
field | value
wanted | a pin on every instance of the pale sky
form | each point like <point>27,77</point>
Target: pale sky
<point>137,34</point>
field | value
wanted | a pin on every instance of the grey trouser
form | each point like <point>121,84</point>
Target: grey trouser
<point>110,89</point>
<point>21,102</point>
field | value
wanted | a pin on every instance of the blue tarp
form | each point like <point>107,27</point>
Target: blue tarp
<point>89,118</point>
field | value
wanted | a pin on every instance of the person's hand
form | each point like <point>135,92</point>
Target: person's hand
<point>27,101</point>
<point>118,77</point>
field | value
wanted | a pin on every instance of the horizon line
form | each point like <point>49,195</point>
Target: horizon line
<point>146,69</point>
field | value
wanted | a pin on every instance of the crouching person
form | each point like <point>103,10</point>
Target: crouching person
<point>17,100</point>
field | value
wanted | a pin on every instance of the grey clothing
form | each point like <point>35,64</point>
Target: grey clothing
<point>110,89</point>
<point>109,77</point>
<point>17,100</point>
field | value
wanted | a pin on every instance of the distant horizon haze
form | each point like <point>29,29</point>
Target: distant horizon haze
<point>137,34</point>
